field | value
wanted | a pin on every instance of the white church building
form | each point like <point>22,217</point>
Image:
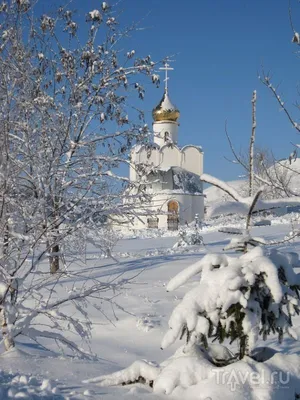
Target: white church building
<point>173,181</point>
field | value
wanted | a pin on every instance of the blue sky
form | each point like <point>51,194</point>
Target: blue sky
<point>219,47</point>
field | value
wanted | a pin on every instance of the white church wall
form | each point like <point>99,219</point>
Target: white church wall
<point>142,155</point>
<point>140,223</point>
<point>154,157</point>
<point>198,206</point>
<point>189,205</point>
<point>167,183</point>
<point>135,159</point>
<point>155,183</point>
<point>165,130</point>
<point>185,208</point>
<point>161,200</point>
<point>192,159</point>
<point>132,172</point>
<point>170,157</point>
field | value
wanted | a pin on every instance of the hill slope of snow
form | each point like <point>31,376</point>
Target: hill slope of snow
<point>285,171</point>
<point>215,195</point>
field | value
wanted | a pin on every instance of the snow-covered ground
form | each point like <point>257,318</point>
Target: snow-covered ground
<point>131,330</point>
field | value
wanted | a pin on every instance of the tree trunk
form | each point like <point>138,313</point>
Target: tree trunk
<point>8,341</point>
<point>55,248</point>
<point>5,240</point>
<point>244,348</point>
<point>252,140</point>
<point>54,260</point>
<point>251,209</point>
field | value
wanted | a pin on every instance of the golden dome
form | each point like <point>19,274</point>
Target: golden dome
<point>165,111</point>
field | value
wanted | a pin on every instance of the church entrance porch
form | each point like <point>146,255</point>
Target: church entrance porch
<point>173,215</point>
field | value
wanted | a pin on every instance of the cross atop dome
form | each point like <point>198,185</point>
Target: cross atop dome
<point>166,68</point>
<point>165,110</point>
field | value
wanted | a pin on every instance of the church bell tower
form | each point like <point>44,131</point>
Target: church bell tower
<point>165,116</point>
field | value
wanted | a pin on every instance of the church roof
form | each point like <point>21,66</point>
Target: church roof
<point>183,180</point>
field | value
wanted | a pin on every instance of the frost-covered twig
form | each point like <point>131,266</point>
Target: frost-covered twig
<point>266,80</point>
<point>252,140</point>
<point>138,372</point>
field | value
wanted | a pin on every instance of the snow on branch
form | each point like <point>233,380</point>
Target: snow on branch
<point>242,207</point>
<point>194,269</point>
<point>223,186</point>
<point>138,372</point>
<point>266,80</point>
<point>58,337</point>
<point>241,204</point>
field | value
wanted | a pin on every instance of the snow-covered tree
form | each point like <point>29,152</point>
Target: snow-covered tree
<point>189,236</point>
<point>67,119</point>
<point>261,168</point>
<point>72,113</point>
<point>237,299</point>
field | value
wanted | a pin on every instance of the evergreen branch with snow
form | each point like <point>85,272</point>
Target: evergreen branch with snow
<point>237,298</point>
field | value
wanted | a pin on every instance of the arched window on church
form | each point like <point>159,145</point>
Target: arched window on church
<point>173,215</point>
<point>167,136</point>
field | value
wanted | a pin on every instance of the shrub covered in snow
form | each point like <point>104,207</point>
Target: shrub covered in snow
<point>191,373</point>
<point>237,298</point>
<point>189,237</point>
<point>243,242</point>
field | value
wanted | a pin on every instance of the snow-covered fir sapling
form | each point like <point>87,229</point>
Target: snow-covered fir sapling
<point>237,299</point>
<point>190,236</point>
